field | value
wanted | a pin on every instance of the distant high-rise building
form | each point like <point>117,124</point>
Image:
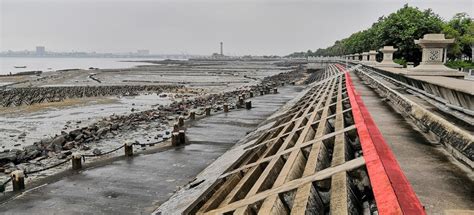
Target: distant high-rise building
<point>222,49</point>
<point>143,52</point>
<point>40,50</point>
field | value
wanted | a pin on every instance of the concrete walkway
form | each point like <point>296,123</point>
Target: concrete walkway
<point>140,184</point>
<point>440,185</point>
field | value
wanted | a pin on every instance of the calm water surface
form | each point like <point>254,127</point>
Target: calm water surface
<point>7,64</point>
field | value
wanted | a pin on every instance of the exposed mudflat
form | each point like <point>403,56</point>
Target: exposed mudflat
<point>21,126</point>
<point>43,134</point>
<point>140,184</point>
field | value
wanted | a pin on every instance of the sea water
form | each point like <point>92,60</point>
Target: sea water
<point>8,64</point>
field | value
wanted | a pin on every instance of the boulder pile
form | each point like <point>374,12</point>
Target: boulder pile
<point>33,95</point>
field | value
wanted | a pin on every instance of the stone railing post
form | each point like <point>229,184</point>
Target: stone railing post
<point>387,60</point>
<point>433,55</point>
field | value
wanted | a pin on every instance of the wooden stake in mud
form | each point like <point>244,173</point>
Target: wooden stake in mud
<point>128,149</point>
<point>18,180</point>
<point>248,105</point>
<point>76,161</point>
<point>174,138</point>
<point>175,127</point>
<point>226,107</point>
<point>181,121</point>
<point>181,137</point>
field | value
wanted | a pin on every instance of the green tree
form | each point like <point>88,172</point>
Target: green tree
<point>401,28</point>
<point>398,29</point>
<point>461,28</point>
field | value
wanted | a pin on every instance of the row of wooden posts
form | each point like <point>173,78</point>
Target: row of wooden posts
<point>177,138</point>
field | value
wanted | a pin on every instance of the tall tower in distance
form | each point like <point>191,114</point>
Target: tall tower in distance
<point>222,49</point>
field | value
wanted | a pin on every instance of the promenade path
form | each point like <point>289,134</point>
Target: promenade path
<point>439,184</point>
<point>140,184</point>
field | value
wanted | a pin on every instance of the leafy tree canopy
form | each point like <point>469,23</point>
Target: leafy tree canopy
<point>400,29</point>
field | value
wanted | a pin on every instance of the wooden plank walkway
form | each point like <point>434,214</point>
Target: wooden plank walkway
<point>310,161</point>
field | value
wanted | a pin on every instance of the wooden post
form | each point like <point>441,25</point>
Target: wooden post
<point>175,127</point>
<point>181,121</point>
<point>248,105</point>
<point>174,138</point>
<point>128,148</point>
<point>275,90</point>
<point>226,107</point>
<point>208,111</point>
<point>181,137</point>
<point>192,115</point>
<point>251,94</point>
<point>262,92</point>
<point>76,161</point>
<point>18,180</point>
<point>241,101</point>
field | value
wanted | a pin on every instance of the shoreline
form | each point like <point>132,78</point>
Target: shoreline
<point>78,63</point>
<point>166,114</point>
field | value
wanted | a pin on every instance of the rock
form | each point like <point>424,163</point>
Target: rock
<point>114,126</point>
<point>22,135</point>
<point>79,137</point>
<point>85,148</point>
<point>9,156</point>
<point>97,151</point>
<point>87,133</point>
<point>51,154</point>
<point>61,156</point>
<point>57,144</point>
<point>46,141</point>
<point>93,127</point>
<point>31,152</point>
<point>69,145</point>
<point>64,154</point>
<point>102,131</point>
<point>59,140</point>
<point>75,133</point>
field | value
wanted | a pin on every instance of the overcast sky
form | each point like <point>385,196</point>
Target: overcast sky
<point>195,26</point>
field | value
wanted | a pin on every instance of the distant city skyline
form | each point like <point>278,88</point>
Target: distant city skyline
<point>258,27</point>
<point>42,51</point>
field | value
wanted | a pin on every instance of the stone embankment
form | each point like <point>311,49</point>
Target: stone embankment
<point>62,145</point>
<point>33,95</point>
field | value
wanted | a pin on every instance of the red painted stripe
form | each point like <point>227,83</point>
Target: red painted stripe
<point>392,191</point>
